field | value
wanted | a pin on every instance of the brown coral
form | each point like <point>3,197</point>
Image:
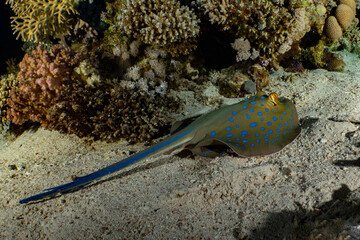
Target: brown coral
<point>271,27</point>
<point>350,3</point>
<point>57,90</point>
<point>345,15</point>
<point>332,28</point>
<point>161,23</point>
<point>41,79</point>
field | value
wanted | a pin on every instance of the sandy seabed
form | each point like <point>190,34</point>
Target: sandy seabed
<point>309,190</point>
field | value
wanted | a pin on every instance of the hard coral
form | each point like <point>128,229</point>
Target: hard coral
<point>332,28</point>
<point>41,80</point>
<point>131,114</point>
<point>161,23</point>
<point>7,82</point>
<point>271,27</point>
<point>38,20</point>
<point>63,91</point>
<point>350,3</point>
<point>344,16</point>
<point>242,46</point>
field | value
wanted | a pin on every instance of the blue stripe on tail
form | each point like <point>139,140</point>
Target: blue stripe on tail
<point>87,179</point>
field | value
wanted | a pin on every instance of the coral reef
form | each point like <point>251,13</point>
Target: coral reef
<point>41,79</point>
<point>62,90</point>
<point>38,20</point>
<point>332,28</point>
<point>7,82</point>
<point>243,48</point>
<point>351,39</point>
<point>271,27</point>
<point>344,16</point>
<point>141,45</point>
<point>159,23</point>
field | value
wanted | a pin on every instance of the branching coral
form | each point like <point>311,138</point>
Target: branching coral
<point>271,27</point>
<point>161,23</point>
<point>242,46</point>
<point>131,114</point>
<point>351,39</point>
<point>7,82</point>
<point>38,20</point>
<point>41,80</point>
<point>63,91</point>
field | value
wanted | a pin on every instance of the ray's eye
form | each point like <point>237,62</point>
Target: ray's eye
<point>273,99</point>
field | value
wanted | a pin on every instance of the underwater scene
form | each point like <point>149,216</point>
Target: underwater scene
<point>180,119</point>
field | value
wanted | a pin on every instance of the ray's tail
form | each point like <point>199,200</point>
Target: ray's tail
<point>167,144</point>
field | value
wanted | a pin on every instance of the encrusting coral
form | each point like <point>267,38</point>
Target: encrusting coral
<point>38,20</point>
<point>161,23</point>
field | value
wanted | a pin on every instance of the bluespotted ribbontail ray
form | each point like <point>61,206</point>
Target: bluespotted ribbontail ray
<point>256,126</point>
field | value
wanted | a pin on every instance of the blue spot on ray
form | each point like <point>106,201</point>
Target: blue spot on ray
<point>233,113</point>
<point>274,118</point>
<point>269,123</point>
<point>228,128</point>
<point>229,135</point>
<point>253,102</point>
<point>231,119</point>
<point>213,133</point>
<point>244,107</point>
<point>260,113</point>
<point>254,124</point>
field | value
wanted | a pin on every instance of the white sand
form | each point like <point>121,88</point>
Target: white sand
<point>293,194</point>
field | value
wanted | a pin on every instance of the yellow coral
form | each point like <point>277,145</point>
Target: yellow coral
<point>37,20</point>
<point>7,82</point>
